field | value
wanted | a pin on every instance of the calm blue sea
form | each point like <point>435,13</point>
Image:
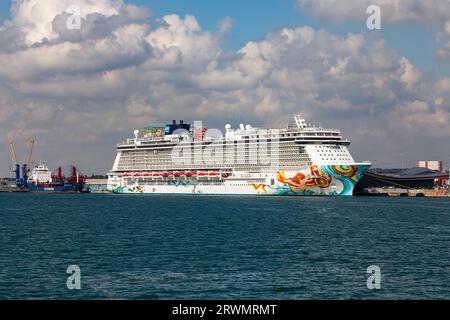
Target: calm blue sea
<point>167,247</point>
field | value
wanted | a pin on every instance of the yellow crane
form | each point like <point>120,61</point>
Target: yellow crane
<point>12,155</point>
<point>30,154</point>
<point>15,166</point>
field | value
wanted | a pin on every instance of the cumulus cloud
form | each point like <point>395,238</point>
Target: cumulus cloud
<point>392,10</point>
<point>35,17</point>
<point>431,12</point>
<point>89,88</point>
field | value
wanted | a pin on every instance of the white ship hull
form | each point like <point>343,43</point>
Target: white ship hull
<point>317,180</point>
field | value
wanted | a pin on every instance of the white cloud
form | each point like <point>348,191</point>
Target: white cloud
<point>430,12</point>
<point>35,17</point>
<point>393,11</point>
<point>195,46</point>
<point>443,85</point>
<point>411,74</point>
<point>420,116</point>
<point>447,27</point>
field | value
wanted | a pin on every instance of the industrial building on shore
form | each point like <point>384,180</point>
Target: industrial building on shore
<point>430,164</point>
<point>420,179</point>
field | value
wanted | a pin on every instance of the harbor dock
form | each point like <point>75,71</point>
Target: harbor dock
<point>399,192</point>
<point>96,185</point>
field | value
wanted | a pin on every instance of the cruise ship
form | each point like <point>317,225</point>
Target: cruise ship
<point>179,158</point>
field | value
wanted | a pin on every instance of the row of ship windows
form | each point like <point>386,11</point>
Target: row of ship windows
<point>165,159</point>
<point>292,147</point>
<point>243,170</point>
<point>292,152</point>
<point>247,150</point>
<point>334,154</point>
<point>223,150</point>
<point>329,147</point>
<point>218,183</point>
<point>214,160</point>
<point>243,166</point>
<point>295,134</point>
<point>224,159</point>
<point>169,155</point>
<point>224,154</point>
<point>325,151</point>
<point>255,168</point>
<point>236,161</point>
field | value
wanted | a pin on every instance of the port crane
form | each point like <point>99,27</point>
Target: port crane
<point>14,165</point>
<point>30,154</point>
<point>21,181</point>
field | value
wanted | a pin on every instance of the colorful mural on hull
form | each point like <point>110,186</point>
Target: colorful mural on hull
<point>324,180</point>
<point>330,180</point>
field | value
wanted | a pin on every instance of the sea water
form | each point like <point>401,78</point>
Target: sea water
<point>200,247</point>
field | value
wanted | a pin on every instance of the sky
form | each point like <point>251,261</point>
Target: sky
<point>137,63</point>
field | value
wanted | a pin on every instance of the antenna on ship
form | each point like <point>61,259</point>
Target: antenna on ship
<point>300,122</point>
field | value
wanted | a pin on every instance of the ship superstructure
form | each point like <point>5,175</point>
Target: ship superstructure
<point>179,158</point>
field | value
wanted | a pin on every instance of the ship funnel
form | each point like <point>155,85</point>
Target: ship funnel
<point>74,171</point>
<point>59,174</point>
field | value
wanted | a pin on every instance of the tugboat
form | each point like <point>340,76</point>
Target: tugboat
<point>41,180</point>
